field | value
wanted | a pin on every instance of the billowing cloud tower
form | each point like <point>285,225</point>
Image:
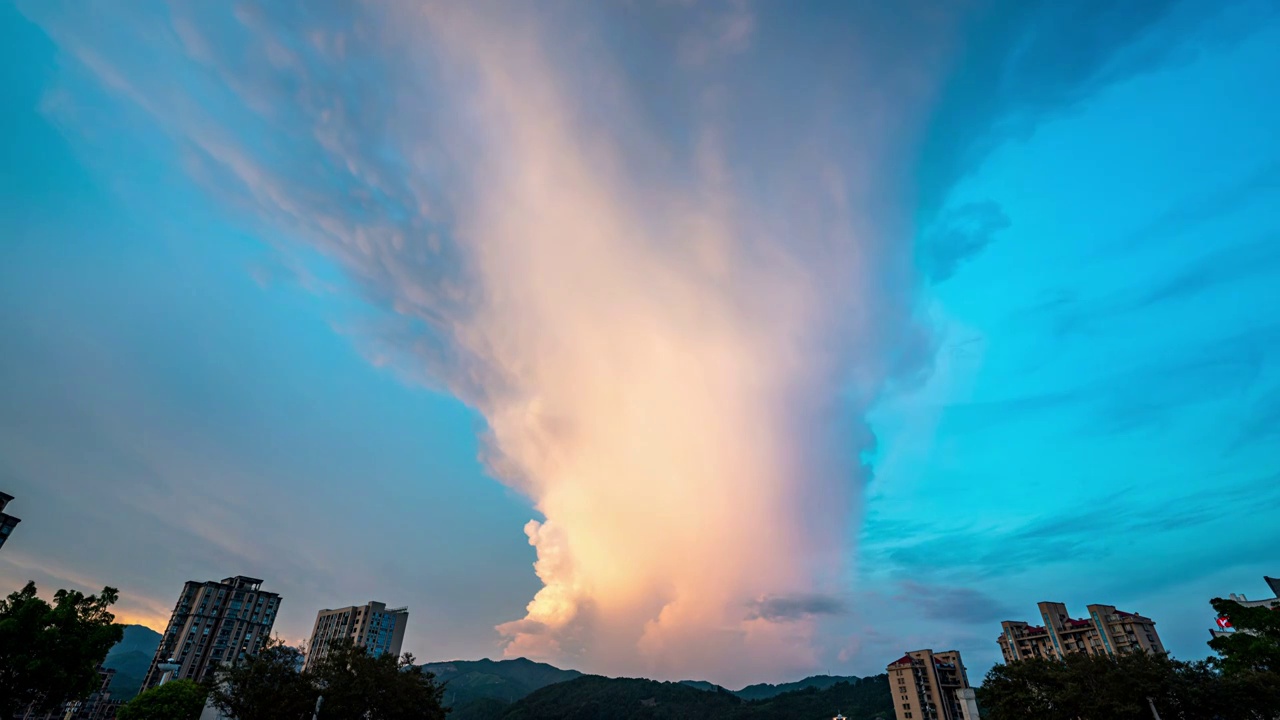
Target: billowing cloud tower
<point>654,257</point>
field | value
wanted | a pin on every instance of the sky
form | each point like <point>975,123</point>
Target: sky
<point>721,340</point>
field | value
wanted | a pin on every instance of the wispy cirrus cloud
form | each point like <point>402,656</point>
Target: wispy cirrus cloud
<point>959,235</point>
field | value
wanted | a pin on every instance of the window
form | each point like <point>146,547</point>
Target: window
<point>906,706</point>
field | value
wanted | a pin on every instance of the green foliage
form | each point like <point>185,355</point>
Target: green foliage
<point>175,700</point>
<point>49,653</point>
<point>265,686</point>
<point>592,697</point>
<point>1255,644</point>
<point>355,684</point>
<point>1088,687</point>
<point>596,698</point>
<point>858,699</point>
<point>478,709</point>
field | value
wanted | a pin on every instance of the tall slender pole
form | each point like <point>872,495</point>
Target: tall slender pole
<point>1152,703</point>
<point>316,715</point>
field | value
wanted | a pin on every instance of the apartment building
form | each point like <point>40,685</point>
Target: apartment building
<point>214,622</point>
<point>371,626</point>
<point>931,686</point>
<point>7,522</point>
<point>1106,631</point>
<point>1224,623</point>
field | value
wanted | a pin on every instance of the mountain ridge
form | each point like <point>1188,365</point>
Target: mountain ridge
<point>480,688</point>
<point>521,688</point>
<point>592,697</point>
<point>131,658</point>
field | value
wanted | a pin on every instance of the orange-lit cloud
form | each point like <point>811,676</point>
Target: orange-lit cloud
<point>660,364</point>
<point>671,327</point>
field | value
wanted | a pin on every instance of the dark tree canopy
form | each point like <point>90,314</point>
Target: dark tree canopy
<point>1087,687</point>
<point>591,697</point>
<point>1255,644</point>
<point>49,654</point>
<point>265,686</point>
<point>355,684</point>
<point>175,700</point>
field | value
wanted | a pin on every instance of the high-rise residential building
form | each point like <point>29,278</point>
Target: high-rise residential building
<point>931,686</point>
<point>1106,631</point>
<point>212,623</point>
<point>7,522</point>
<point>1224,623</point>
<point>371,626</point>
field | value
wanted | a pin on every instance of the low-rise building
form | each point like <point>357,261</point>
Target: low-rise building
<point>930,686</point>
<point>1106,631</point>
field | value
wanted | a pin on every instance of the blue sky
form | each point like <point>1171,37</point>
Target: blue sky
<point>1072,268</point>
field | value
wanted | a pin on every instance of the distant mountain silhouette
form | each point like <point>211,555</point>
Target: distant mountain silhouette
<point>591,697</point>
<point>702,685</point>
<point>478,689</point>
<point>130,658</point>
<point>762,691</point>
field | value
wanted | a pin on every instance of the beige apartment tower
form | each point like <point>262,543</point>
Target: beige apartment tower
<point>212,623</point>
<point>931,686</point>
<point>371,626</point>
<point>1107,631</point>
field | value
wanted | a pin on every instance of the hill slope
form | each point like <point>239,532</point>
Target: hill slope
<point>596,698</point>
<point>765,690</point>
<point>130,658</point>
<point>481,688</point>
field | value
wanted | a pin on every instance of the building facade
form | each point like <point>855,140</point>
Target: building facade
<point>371,626</point>
<point>930,686</point>
<point>1224,623</point>
<point>212,623</point>
<point>1106,631</point>
<point>7,522</point>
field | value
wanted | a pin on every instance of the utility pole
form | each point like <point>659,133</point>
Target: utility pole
<point>1154,714</point>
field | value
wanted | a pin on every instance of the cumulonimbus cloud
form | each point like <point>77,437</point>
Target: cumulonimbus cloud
<point>671,305</point>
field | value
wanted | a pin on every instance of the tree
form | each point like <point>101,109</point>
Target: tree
<point>175,700</point>
<point>1125,687</point>
<point>49,654</point>
<point>265,686</point>
<point>1255,644</point>
<point>355,684</point>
